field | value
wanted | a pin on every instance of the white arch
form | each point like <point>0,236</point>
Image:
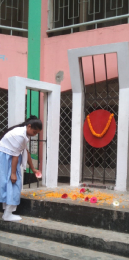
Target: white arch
<point>74,55</point>
<point>16,114</point>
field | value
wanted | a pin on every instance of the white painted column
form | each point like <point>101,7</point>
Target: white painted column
<point>44,159</point>
<point>122,140</point>
<point>53,137</point>
<point>16,101</point>
<point>77,139</point>
<point>16,105</point>
<point>76,75</point>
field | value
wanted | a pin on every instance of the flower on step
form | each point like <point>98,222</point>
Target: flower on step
<point>81,196</point>
<point>116,203</point>
<point>82,190</point>
<point>93,200</point>
<point>74,197</point>
<point>34,194</point>
<point>64,196</point>
<point>84,185</point>
<point>86,199</point>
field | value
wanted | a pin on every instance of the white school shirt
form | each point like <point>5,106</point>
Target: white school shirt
<point>15,143</point>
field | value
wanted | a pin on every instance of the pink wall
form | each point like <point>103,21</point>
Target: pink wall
<point>54,56</point>
<point>13,58</point>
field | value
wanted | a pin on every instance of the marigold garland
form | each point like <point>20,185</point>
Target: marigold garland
<point>105,129</point>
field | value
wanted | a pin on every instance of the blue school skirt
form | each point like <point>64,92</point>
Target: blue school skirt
<point>9,192</point>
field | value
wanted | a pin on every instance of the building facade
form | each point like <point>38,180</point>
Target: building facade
<point>35,37</point>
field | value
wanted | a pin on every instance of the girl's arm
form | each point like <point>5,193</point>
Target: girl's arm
<point>13,169</point>
<point>30,163</point>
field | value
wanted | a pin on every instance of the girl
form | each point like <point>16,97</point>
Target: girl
<point>13,153</point>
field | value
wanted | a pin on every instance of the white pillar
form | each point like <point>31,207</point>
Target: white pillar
<point>77,139</point>
<point>76,74</point>
<point>122,140</point>
<point>16,102</point>
<point>16,106</point>
<point>44,159</point>
<point>53,138</point>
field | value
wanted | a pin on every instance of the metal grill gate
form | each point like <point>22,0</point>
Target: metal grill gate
<point>3,110</point>
<point>65,137</point>
<point>35,147</point>
<point>99,164</point>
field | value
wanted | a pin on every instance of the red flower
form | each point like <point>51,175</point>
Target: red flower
<point>86,199</point>
<point>82,190</point>
<point>64,196</point>
<point>93,200</point>
<point>84,185</point>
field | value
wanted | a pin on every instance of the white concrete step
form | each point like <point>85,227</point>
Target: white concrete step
<point>26,248</point>
<point>86,237</point>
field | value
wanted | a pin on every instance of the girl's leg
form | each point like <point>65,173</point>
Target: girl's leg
<point>13,194</point>
<point>8,216</point>
<point>9,193</point>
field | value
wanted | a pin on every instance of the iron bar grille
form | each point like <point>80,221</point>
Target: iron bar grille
<point>35,147</point>
<point>3,111</point>
<point>65,137</point>
<point>68,16</point>
<point>99,164</point>
<point>14,17</point>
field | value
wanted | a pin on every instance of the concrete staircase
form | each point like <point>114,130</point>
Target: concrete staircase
<point>36,238</point>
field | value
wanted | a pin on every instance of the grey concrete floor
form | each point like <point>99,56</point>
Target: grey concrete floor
<point>52,249</point>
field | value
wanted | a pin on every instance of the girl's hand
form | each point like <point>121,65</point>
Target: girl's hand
<point>35,170</point>
<point>13,177</point>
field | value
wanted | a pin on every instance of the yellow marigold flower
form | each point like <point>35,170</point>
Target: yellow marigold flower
<point>81,196</point>
<point>74,197</point>
<point>105,129</point>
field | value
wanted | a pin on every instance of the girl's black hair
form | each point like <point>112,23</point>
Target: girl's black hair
<point>33,121</point>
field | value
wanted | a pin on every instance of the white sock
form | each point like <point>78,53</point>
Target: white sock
<point>8,216</point>
<point>12,208</point>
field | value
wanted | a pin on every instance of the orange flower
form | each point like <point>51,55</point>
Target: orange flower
<point>74,197</point>
<point>81,196</point>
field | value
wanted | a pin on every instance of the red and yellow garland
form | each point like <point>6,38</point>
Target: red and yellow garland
<point>105,129</point>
